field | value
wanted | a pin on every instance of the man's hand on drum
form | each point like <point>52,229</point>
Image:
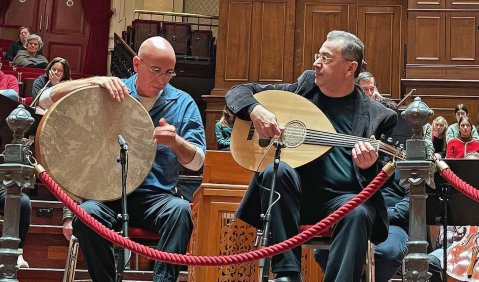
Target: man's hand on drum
<point>264,122</point>
<point>67,228</point>
<point>115,87</point>
<point>364,154</point>
<point>165,134</point>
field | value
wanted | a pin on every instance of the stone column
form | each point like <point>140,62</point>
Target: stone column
<point>15,175</point>
<point>416,172</point>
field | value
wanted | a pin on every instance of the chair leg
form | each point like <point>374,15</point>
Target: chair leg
<point>370,263</point>
<point>71,262</point>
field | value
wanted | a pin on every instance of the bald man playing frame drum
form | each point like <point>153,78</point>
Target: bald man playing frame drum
<point>180,138</point>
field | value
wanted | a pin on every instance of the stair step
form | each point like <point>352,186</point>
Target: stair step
<point>55,275</point>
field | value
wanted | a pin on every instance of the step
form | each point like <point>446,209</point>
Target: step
<point>46,212</point>
<point>55,275</point>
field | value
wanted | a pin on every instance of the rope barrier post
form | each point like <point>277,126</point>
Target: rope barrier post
<point>416,172</point>
<point>15,175</point>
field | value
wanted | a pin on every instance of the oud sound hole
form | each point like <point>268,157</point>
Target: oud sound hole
<point>294,134</point>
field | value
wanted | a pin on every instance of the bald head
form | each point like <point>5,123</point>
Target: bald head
<point>154,45</point>
<point>155,61</point>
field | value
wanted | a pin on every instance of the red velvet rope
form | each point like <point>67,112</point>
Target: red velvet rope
<point>269,251</point>
<point>460,185</point>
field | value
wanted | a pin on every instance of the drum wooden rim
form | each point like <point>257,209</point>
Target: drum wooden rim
<point>77,143</point>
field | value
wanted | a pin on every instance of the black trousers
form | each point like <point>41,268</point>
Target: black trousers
<point>301,202</point>
<point>160,212</point>
<point>25,211</point>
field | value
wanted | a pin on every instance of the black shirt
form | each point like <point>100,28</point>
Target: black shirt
<point>334,171</point>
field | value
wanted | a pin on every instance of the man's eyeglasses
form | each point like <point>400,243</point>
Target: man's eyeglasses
<point>326,60</point>
<point>158,71</point>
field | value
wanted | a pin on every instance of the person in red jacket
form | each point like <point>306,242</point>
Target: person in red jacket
<point>8,85</point>
<point>460,146</point>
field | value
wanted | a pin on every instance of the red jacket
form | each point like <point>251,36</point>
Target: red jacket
<point>458,149</point>
<point>8,81</point>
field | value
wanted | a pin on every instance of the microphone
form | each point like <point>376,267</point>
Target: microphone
<point>122,142</point>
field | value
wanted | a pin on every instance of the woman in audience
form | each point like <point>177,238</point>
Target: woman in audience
<point>58,70</point>
<point>436,133</point>
<point>30,57</point>
<point>223,130</point>
<point>23,34</point>
<point>453,130</point>
<point>459,147</point>
<point>8,85</point>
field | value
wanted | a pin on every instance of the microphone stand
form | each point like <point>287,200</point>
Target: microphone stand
<point>124,253</point>
<point>265,263</point>
<point>444,197</point>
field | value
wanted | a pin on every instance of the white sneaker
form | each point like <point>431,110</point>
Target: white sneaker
<point>21,262</point>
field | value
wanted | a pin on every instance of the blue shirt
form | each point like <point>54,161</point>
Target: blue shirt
<point>181,111</point>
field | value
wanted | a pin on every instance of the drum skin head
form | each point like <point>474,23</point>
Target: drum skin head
<point>77,143</point>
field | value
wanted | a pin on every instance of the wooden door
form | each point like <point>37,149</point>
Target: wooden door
<point>381,30</point>
<point>66,33</point>
<point>315,20</point>
<point>28,13</point>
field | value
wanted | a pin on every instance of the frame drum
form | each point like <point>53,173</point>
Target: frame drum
<point>77,143</point>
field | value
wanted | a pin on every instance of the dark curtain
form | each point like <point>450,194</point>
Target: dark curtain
<point>98,14</point>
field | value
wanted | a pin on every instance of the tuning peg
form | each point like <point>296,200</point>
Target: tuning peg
<point>383,137</point>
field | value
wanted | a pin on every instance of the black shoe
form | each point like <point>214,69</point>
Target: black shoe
<point>293,277</point>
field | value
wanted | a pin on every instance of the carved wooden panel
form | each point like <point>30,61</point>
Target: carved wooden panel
<point>380,30</point>
<point>426,37</point>
<point>236,237</point>
<point>461,38</point>
<point>316,20</point>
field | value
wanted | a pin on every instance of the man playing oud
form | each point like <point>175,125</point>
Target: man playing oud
<point>312,191</point>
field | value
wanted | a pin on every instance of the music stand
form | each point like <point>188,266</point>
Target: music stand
<point>446,206</point>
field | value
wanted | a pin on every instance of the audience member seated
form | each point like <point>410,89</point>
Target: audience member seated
<point>30,57</point>
<point>435,136</point>
<point>367,82</point>
<point>223,130</point>
<point>58,70</point>
<point>460,146</point>
<point>23,34</point>
<point>453,129</point>
<point>8,85</point>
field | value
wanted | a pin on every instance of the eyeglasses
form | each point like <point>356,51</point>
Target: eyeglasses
<point>156,70</point>
<point>326,60</point>
<point>32,43</point>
